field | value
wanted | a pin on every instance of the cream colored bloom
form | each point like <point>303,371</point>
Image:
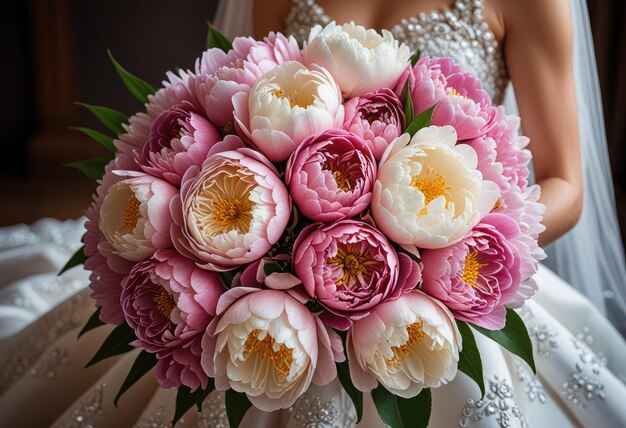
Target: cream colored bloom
<point>428,192</point>
<point>268,345</point>
<point>406,344</point>
<point>287,105</point>
<point>135,217</point>
<point>361,60</point>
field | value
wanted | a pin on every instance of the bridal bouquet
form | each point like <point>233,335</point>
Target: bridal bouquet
<point>283,216</point>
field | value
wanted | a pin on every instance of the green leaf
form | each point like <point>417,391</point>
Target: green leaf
<point>215,39</point>
<point>409,110</point>
<point>93,322</point>
<point>104,140</point>
<point>343,372</point>
<point>270,268</point>
<point>118,342</point>
<point>422,120</point>
<point>415,57</point>
<point>185,399</point>
<point>109,117</point>
<point>138,87</point>
<point>470,362</point>
<point>228,277</point>
<point>513,337</point>
<point>92,168</point>
<point>142,365</point>
<point>78,258</point>
<point>398,412</point>
<point>237,404</point>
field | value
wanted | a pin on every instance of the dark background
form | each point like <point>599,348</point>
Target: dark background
<point>54,53</point>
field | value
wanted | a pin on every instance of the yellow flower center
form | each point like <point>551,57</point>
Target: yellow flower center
<point>454,92</point>
<point>342,180</point>
<point>416,334</point>
<point>353,262</point>
<point>497,205</point>
<point>222,203</point>
<point>431,185</point>
<point>281,359</point>
<point>131,215</point>
<point>471,269</point>
<point>232,213</point>
<point>164,302</point>
<point>293,99</point>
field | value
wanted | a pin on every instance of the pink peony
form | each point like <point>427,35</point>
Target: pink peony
<point>350,267</point>
<point>108,269</point>
<point>231,211</point>
<point>478,276</point>
<point>511,148</point>
<point>268,345</point>
<point>177,89</point>
<point>168,301</point>
<point>220,75</point>
<point>179,138</point>
<point>330,176</point>
<point>377,117</point>
<point>459,96</point>
<point>135,217</point>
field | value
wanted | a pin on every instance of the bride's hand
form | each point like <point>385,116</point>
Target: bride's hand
<point>538,50</point>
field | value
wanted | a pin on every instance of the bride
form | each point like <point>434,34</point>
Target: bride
<point>579,356</point>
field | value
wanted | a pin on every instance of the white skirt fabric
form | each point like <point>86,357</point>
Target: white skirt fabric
<point>581,363</point>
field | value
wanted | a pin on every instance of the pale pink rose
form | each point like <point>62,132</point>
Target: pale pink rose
<point>377,117</point>
<point>459,96</point>
<point>221,75</point>
<point>135,217</point>
<point>268,345</point>
<point>349,267</point>
<point>179,138</point>
<point>168,301</point>
<point>231,211</point>
<point>330,176</point>
<point>406,345</point>
<point>286,106</point>
<point>478,276</point>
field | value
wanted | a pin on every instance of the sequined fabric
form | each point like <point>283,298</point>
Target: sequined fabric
<point>459,32</point>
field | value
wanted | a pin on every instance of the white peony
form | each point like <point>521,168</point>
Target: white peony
<point>287,105</point>
<point>135,217</point>
<point>361,60</point>
<point>428,192</point>
<point>406,344</point>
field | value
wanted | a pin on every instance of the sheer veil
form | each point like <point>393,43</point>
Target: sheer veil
<point>591,256</point>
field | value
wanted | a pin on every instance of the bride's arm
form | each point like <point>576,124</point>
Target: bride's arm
<point>538,51</point>
<point>269,15</point>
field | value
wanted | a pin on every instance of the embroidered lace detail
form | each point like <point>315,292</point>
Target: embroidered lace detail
<point>213,413</point>
<point>543,337</point>
<point>50,362</point>
<point>84,414</point>
<point>583,385</point>
<point>63,235</point>
<point>49,289</point>
<point>459,32</point>
<point>160,419</point>
<point>533,387</point>
<point>18,357</point>
<point>499,403</point>
<point>312,413</point>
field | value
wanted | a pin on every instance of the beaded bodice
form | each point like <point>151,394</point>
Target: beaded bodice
<point>459,32</point>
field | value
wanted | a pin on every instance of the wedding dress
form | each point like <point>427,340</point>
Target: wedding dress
<point>580,361</point>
